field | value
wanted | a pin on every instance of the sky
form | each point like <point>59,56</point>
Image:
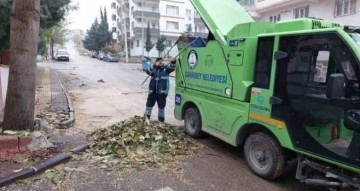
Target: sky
<point>88,10</point>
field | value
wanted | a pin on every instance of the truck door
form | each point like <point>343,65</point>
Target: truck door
<point>315,122</point>
<point>262,88</point>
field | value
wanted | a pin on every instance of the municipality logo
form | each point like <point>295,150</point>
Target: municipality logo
<point>192,59</point>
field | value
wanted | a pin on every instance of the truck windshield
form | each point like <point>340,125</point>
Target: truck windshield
<point>355,37</point>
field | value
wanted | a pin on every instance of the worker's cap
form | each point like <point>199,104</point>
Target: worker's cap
<point>158,59</point>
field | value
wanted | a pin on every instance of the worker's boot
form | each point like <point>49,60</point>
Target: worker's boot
<point>147,120</point>
<point>161,120</point>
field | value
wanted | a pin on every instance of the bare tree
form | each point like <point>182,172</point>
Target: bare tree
<point>24,35</point>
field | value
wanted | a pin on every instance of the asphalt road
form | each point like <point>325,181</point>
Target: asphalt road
<point>98,104</point>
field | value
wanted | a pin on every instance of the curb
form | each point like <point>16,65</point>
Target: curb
<point>43,166</point>
<point>67,123</point>
<point>79,149</point>
<point>27,172</point>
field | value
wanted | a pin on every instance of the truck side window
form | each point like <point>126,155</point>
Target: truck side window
<point>312,59</point>
<point>263,62</point>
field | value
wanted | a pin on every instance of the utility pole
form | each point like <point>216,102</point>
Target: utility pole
<point>126,37</point>
<point>142,27</point>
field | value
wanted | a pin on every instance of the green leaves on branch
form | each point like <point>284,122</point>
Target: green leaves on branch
<point>52,13</point>
<point>160,44</point>
<point>148,44</point>
<point>98,36</point>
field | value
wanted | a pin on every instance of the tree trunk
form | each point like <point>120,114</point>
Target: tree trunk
<point>24,32</point>
<point>52,48</point>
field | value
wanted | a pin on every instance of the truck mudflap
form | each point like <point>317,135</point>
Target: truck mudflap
<point>331,178</point>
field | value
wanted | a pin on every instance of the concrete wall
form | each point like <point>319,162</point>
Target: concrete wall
<point>4,75</point>
<point>137,51</point>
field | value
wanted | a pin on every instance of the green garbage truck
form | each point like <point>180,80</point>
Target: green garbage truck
<point>285,91</point>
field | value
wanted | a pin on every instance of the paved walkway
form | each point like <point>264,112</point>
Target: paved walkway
<point>59,103</point>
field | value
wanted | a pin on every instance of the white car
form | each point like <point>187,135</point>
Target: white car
<point>62,56</point>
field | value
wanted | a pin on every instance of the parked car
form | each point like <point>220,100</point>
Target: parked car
<point>111,58</point>
<point>101,56</point>
<point>62,56</point>
<point>94,55</point>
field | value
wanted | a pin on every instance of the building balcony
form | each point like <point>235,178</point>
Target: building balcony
<point>146,14</point>
<point>263,6</point>
<point>138,31</point>
<point>121,26</point>
<point>121,2</point>
<point>113,5</point>
<point>148,2</point>
<point>198,21</point>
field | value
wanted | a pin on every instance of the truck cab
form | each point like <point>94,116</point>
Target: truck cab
<point>283,91</point>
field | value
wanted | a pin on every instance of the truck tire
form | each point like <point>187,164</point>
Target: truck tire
<point>264,156</point>
<point>192,121</point>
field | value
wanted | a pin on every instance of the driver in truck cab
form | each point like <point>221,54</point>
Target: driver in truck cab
<point>158,87</point>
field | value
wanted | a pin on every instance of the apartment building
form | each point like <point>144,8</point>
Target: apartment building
<point>165,17</point>
<point>115,30</point>
<point>342,11</point>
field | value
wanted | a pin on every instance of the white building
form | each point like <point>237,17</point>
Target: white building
<point>345,12</point>
<point>169,18</point>
<point>113,24</point>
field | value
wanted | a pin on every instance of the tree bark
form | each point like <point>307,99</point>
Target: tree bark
<point>52,48</point>
<point>24,34</point>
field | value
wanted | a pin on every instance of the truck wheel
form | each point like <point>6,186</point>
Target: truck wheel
<point>264,156</point>
<point>192,122</point>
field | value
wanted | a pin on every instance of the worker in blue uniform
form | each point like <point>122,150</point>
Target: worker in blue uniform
<point>158,87</point>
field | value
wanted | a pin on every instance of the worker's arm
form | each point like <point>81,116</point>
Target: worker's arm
<point>171,66</point>
<point>150,70</point>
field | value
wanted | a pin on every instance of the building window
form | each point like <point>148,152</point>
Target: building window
<point>173,26</point>
<point>246,2</point>
<point>301,12</point>
<point>345,7</point>
<point>137,43</point>
<point>153,25</point>
<point>275,18</point>
<point>188,14</point>
<point>169,43</point>
<point>172,10</point>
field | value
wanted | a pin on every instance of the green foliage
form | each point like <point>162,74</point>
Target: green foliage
<point>5,7</point>
<point>52,13</point>
<point>132,144</point>
<point>188,32</point>
<point>77,40</point>
<point>91,39</point>
<point>98,36</point>
<point>148,44</point>
<point>160,44</point>
<point>112,48</point>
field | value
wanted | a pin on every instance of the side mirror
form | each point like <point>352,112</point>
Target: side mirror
<point>280,55</point>
<point>336,86</point>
